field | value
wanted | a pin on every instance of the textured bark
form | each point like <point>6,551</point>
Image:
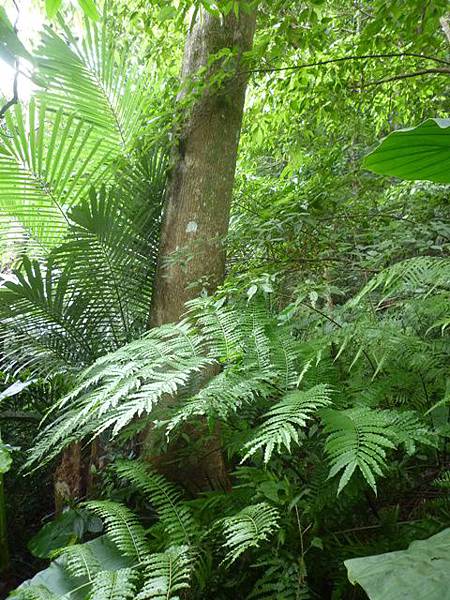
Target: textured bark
<point>69,478</point>
<point>197,208</point>
<point>197,212</point>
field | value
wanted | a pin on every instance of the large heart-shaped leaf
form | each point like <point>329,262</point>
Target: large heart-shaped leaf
<point>422,571</point>
<point>421,152</point>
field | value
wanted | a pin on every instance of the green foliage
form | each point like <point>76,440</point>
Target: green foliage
<point>88,7</point>
<point>66,529</point>
<point>122,527</point>
<point>174,516</point>
<point>10,46</point>
<point>420,571</point>
<point>360,437</point>
<point>336,281</point>
<point>113,585</point>
<point>281,422</point>
<point>422,152</point>
<point>247,529</point>
<point>166,574</point>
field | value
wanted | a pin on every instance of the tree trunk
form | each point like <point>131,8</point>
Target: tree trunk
<point>197,207</point>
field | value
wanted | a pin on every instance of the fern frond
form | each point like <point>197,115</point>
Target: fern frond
<point>166,574</point>
<point>247,529</point>
<point>122,527</point>
<point>79,561</point>
<point>281,579</point>
<point>282,422</point>
<point>224,395</point>
<point>175,516</point>
<point>443,481</point>
<point>114,585</point>
<point>416,276</point>
<point>358,438</point>
<point>125,384</point>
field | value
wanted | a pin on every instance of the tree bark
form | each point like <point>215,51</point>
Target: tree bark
<point>197,209</point>
<point>197,206</point>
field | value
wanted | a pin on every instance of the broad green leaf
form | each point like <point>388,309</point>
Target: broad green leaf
<point>89,9</point>
<point>52,7</point>
<point>56,580</point>
<point>422,571</point>
<point>68,528</point>
<point>10,45</point>
<point>417,153</point>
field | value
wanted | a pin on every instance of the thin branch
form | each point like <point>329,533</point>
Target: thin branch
<point>435,71</point>
<point>347,58</point>
<point>15,97</point>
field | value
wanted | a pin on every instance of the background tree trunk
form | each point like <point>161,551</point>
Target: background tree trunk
<point>197,208</point>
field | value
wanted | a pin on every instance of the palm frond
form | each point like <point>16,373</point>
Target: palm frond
<point>47,162</point>
<point>93,78</point>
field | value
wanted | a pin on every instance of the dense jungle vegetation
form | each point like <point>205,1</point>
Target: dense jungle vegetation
<point>224,299</point>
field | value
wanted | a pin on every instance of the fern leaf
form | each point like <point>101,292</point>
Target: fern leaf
<point>79,561</point>
<point>358,438</point>
<point>282,422</point>
<point>247,529</point>
<point>122,527</point>
<point>175,516</point>
<point>166,574</point>
<point>114,585</point>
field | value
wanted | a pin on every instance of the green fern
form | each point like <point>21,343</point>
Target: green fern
<point>114,585</point>
<point>175,516</point>
<point>79,561</point>
<point>37,592</point>
<point>282,422</point>
<point>247,529</point>
<point>122,527</point>
<point>166,574</point>
<point>443,481</point>
<point>416,276</point>
<point>360,437</point>
<point>171,360</point>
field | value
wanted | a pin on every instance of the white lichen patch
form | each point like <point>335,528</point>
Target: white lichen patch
<point>191,227</point>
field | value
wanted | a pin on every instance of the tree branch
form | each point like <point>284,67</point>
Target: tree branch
<point>435,71</point>
<point>15,97</point>
<point>347,58</point>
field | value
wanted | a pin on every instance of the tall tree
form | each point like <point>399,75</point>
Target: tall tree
<point>197,205</point>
